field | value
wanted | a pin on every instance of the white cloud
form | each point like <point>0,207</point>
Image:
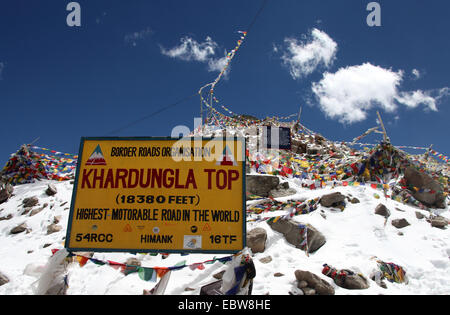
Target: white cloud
<point>415,98</point>
<point>427,98</point>
<point>134,37</point>
<point>351,92</point>
<point>302,58</point>
<point>217,64</point>
<point>416,73</point>
<point>190,50</point>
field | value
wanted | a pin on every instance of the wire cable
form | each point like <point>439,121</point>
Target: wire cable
<point>257,15</point>
<point>185,98</point>
<point>151,115</point>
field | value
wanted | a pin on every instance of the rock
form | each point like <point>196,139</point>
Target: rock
<point>284,185</point>
<point>309,291</point>
<point>19,229</point>
<point>51,190</point>
<point>37,210</point>
<point>6,191</point>
<point>57,219</point>
<point>439,222</point>
<point>302,284</point>
<point>314,150</point>
<point>293,234</point>
<point>354,200</point>
<point>282,190</point>
<point>261,185</point>
<point>332,200</point>
<point>298,147</point>
<point>3,279</point>
<point>219,275</point>
<point>8,217</point>
<point>400,223</point>
<point>256,240</point>
<point>53,228</point>
<point>276,193</point>
<point>382,210</point>
<point>424,181</point>
<point>345,278</point>
<point>321,286</point>
<point>26,210</point>
<point>266,260</point>
<point>30,202</point>
<point>278,274</point>
<point>419,215</point>
<point>353,282</point>
<point>377,276</point>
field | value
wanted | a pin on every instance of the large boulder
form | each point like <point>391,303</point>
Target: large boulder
<point>53,228</point>
<point>346,278</point>
<point>51,190</point>
<point>313,281</point>
<point>430,191</point>
<point>439,222</point>
<point>400,223</point>
<point>298,146</point>
<point>3,279</point>
<point>261,185</point>
<point>332,200</point>
<point>6,191</point>
<point>293,233</point>
<point>30,202</point>
<point>282,190</point>
<point>353,282</point>
<point>19,229</point>
<point>382,210</point>
<point>256,240</point>
<point>314,150</point>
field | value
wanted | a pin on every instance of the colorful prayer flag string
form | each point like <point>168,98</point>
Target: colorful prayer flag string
<point>146,273</point>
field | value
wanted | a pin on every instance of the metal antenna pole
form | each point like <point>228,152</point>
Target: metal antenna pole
<point>297,126</point>
<point>201,111</point>
<point>299,114</point>
<point>35,140</point>
<point>201,105</point>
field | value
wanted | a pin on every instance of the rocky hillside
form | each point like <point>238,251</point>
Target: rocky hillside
<point>322,218</point>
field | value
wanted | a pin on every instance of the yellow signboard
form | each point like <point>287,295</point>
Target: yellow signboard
<point>159,195</point>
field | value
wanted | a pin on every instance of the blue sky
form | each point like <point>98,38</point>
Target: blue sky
<point>129,59</point>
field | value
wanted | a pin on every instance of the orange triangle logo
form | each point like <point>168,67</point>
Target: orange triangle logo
<point>96,157</point>
<point>206,227</point>
<point>127,228</point>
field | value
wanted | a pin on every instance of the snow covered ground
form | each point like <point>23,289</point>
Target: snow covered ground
<point>354,236</point>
